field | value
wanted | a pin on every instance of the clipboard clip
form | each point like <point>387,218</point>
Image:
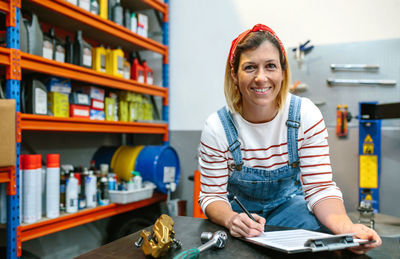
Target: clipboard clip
<point>336,242</point>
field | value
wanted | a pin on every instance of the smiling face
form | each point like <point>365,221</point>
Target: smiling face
<point>259,78</point>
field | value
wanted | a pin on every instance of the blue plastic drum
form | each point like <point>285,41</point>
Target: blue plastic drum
<point>103,155</point>
<point>160,165</point>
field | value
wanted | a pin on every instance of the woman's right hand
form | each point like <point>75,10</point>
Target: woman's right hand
<point>240,225</point>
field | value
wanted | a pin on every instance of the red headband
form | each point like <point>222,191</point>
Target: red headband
<point>257,27</point>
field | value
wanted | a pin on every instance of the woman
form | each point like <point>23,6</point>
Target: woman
<point>270,149</point>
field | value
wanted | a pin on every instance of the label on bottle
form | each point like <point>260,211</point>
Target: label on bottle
<point>40,101</point>
<point>141,76</point>
<point>120,68</point>
<point>127,72</point>
<point>103,63</point>
<point>87,57</point>
<point>47,49</point>
<point>60,53</point>
<point>150,78</point>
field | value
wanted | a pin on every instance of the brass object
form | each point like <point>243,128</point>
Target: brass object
<point>157,242</point>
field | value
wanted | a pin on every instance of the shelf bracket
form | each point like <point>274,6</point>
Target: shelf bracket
<point>12,185</point>
<point>18,127</point>
<point>19,246</point>
<point>11,20</point>
<point>14,70</point>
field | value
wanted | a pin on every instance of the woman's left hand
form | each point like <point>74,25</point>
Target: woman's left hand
<point>363,232</point>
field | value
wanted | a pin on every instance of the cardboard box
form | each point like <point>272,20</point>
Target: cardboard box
<point>8,151</point>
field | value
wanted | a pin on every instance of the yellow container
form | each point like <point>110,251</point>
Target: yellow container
<point>109,108</point>
<point>123,108</point>
<point>103,9</point>
<point>124,162</point>
<point>99,59</point>
<point>58,104</point>
<point>117,62</point>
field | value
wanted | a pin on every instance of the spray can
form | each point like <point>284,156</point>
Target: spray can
<point>53,186</point>
<point>103,191</point>
<point>82,191</point>
<point>71,194</point>
<point>29,171</point>
<point>38,193</point>
<point>91,184</point>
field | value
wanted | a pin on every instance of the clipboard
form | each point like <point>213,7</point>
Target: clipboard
<point>301,240</point>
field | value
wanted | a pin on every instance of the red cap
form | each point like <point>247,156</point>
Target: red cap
<point>53,160</point>
<point>257,27</point>
<point>28,162</point>
<point>38,161</point>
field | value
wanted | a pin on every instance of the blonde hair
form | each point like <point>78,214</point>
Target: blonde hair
<point>252,41</point>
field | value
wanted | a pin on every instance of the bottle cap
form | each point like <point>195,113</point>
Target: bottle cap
<point>53,160</point>
<point>28,162</point>
<point>38,161</point>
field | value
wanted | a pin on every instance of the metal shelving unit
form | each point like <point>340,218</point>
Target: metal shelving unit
<point>62,14</point>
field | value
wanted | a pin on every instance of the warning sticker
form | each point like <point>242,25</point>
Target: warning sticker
<point>169,174</point>
<point>368,145</point>
<point>368,171</point>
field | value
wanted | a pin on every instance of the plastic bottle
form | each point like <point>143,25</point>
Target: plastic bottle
<point>127,70</point>
<point>117,13</point>
<point>29,170</point>
<point>39,184</point>
<point>49,43</point>
<point>91,186</point>
<point>94,7</point>
<point>110,6</point>
<point>71,194</point>
<point>99,59</point>
<point>53,186</point>
<point>148,73</point>
<point>104,9</point>
<point>131,184</point>
<point>59,50</point>
<point>137,181</point>
<point>117,62</point>
<point>137,71</point>
<point>85,4</point>
<point>82,51</point>
<point>36,102</point>
<point>133,27</point>
<point>35,36</point>
<point>103,191</point>
<point>69,50</point>
<point>127,19</point>
<point>82,192</point>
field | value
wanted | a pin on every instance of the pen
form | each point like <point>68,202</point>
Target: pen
<point>243,208</point>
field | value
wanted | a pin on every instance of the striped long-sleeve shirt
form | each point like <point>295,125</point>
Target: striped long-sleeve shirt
<point>264,146</point>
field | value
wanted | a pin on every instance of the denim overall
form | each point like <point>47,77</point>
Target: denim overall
<point>276,195</point>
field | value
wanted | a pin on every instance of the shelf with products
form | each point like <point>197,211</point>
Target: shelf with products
<point>66,221</point>
<point>65,15</point>
<point>39,64</point>
<point>47,123</point>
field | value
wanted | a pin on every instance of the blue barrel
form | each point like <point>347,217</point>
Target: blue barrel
<point>103,155</point>
<point>160,165</point>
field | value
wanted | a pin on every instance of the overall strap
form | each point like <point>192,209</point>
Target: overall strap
<point>232,136</point>
<point>293,124</point>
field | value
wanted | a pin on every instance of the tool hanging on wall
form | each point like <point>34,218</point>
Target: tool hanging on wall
<point>302,50</point>
<point>297,87</point>
<point>383,82</point>
<point>157,242</point>
<point>354,67</point>
<point>343,116</point>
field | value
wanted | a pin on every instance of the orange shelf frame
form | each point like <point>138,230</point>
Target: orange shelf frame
<point>4,6</point>
<point>67,221</point>
<point>49,123</point>
<point>65,14</point>
<point>52,67</point>
<point>5,56</point>
<point>5,174</point>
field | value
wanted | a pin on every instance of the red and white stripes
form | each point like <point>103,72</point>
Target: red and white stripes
<point>264,146</point>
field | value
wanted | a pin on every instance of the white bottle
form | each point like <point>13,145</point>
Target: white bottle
<point>53,186</point>
<point>91,190</point>
<point>71,195</point>
<point>137,182</point>
<point>38,187</point>
<point>29,171</point>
